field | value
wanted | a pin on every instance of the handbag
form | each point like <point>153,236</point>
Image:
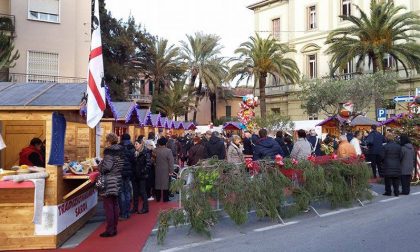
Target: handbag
<point>100,183</point>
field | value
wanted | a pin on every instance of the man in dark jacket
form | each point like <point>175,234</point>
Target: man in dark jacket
<point>315,142</point>
<point>127,176</point>
<point>408,162</point>
<point>266,147</point>
<point>374,142</point>
<point>215,146</point>
<point>280,140</point>
<point>248,145</point>
<point>141,173</point>
<point>391,155</point>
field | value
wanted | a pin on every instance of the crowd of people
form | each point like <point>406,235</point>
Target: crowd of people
<point>144,169</point>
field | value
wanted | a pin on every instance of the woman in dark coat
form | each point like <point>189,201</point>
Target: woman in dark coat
<point>391,155</point>
<point>141,173</point>
<point>110,168</point>
<point>407,163</point>
<point>197,152</point>
<point>164,167</point>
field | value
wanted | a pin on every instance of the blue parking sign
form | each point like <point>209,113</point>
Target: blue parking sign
<point>381,114</point>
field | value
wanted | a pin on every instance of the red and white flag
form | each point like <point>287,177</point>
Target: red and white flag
<point>96,91</point>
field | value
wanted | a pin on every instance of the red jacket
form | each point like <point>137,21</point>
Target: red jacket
<point>26,152</point>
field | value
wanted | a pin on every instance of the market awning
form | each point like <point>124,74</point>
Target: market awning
<point>336,118</point>
<point>124,111</point>
<point>41,96</point>
<point>362,121</point>
<point>153,120</point>
<point>178,125</point>
<point>190,126</point>
<point>232,126</point>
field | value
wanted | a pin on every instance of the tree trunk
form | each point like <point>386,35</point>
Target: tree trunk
<point>213,111</point>
<point>376,101</point>
<point>197,100</point>
<point>262,82</point>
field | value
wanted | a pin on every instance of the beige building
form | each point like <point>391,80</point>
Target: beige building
<point>227,107</point>
<point>52,36</point>
<point>305,25</point>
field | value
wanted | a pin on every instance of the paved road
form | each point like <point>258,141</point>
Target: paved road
<point>386,224</point>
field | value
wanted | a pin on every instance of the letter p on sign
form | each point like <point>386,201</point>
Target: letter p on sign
<point>381,114</point>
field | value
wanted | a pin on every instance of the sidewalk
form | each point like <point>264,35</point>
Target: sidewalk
<point>132,233</point>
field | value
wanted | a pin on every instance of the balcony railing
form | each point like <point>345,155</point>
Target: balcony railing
<point>19,78</point>
<point>146,99</point>
<point>276,90</point>
<point>7,23</point>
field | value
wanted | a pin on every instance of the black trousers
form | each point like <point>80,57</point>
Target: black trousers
<point>376,164</point>
<point>395,182</point>
<point>165,195</point>
<point>139,190</point>
<point>405,184</point>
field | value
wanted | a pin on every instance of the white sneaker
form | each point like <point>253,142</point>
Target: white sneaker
<point>150,199</point>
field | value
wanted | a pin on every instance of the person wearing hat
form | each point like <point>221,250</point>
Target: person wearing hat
<point>127,176</point>
<point>141,173</point>
<point>315,142</point>
<point>164,167</point>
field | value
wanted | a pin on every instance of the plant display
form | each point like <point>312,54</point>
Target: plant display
<point>260,185</point>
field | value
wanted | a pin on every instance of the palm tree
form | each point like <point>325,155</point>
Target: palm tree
<point>177,101</point>
<point>163,64</point>
<point>385,31</point>
<point>201,55</point>
<point>7,56</point>
<point>261,57</point>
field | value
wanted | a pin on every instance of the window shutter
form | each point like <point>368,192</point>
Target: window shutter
<point>45,6</point>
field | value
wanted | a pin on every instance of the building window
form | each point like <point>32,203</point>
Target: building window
<point>228,112</point>
<point>275,110</point>
<point>312,66</point>
<point>388,61</point>
<point>346,7</point>
<point>151,88</point>
<point>313,117</point>
<point>276,28</point>
<point>311,18</point>
<point>42,66</point>
<point>44,10</point>
<point>348,70</point>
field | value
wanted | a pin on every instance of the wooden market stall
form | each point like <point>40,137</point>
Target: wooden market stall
<point>179,128</point>
<point>332,124</point>
<point>46,111</point>
<point>127,117</point>
<point>152,123</point>
<point>392,122</point>
<point>169,126</point>
<point>190,126</point>
<point>233,128</point>
<point>362,123</point>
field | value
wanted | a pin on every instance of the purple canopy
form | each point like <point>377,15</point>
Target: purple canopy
<point>169,124</point>
<point>153,120</point>
<point>190,126</point>
<point>178,125</point>
<point>392,119</point>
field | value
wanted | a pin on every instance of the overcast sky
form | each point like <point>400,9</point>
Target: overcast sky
<point>172,19</point>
